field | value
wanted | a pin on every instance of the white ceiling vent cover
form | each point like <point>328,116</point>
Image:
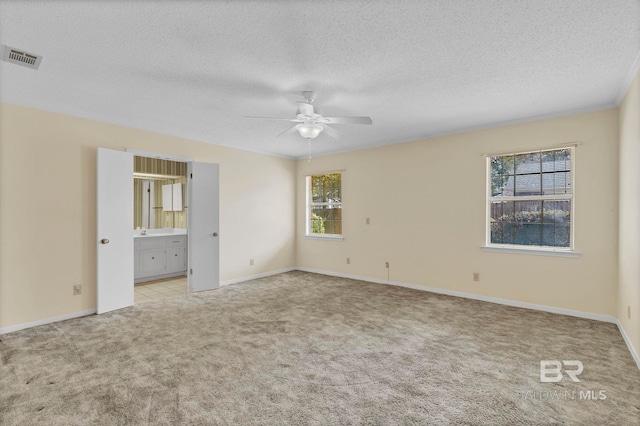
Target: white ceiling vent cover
<point>20,57</point>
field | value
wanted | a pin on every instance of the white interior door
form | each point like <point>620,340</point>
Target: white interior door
<point>115,230</point>
<point>203,213</point>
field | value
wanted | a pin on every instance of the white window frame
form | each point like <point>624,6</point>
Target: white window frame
<point>530,249</point>
<point>310,205</point>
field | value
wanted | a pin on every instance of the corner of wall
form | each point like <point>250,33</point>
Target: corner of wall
<point>628,299</point>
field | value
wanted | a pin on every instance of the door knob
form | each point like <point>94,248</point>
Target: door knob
<point>215,234</point>
<point>104,241</point>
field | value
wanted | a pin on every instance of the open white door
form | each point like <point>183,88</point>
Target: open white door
<point>203,227</point>
<point>115,230</point>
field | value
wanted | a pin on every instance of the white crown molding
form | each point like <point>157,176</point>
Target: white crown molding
<point>628,80</point>
<point>494,125</point>
<point>149,126</point>
<point>45,321</point>
<point>140,124</point>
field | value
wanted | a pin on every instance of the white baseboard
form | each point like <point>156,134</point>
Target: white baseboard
<point>515,303</point>
<point>22,326</point>
<point>44,321</point>
<point>551,309</point>
<point>254,277</point>
<point>625,336</point>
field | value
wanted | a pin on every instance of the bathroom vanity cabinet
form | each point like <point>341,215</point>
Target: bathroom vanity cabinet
<point>159,256</point>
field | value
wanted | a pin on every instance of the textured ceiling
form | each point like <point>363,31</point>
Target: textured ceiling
<point>418,68</point>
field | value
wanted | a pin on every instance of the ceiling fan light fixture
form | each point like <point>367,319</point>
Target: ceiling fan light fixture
<point>309,130</point>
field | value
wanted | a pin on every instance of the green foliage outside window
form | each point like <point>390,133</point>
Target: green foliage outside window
<point>325,205</point>
<point>317,224</point>
<point>326,188</point>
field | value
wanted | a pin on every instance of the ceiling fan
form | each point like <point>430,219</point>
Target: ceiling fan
<point>312,123</point>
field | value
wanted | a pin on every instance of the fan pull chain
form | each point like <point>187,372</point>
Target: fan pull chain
<point>309,150</point>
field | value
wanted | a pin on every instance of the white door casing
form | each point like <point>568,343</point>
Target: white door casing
<point>114,193</point>
<point>203,238</point>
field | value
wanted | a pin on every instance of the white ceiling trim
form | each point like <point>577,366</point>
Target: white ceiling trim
<point>505,123</point>
<point>180,133</point>
<point>419,69</point>
<point>626,83</point>
<point>146,126</point>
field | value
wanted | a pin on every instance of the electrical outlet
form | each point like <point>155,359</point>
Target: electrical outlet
<point>348,261</point>
<point>476,276</point>
<point>629,311</point>
<point>386,264</point>
<point>250,262</point>
<point>367,221</point>
<point>77,289</point>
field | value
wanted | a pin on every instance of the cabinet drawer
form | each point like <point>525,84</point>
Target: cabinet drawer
<point>177,241</point>
<point>151,242</point>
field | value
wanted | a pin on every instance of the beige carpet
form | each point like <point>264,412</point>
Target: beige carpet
<point>301,348</point>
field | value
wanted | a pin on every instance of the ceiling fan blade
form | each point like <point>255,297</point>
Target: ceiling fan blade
<point>336,134</point>
<point>305,108</point>
<point>274,118</point>
<point>287,132</point>
<point>347,120</point>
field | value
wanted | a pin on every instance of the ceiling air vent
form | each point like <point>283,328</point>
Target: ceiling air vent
<point>20,57</point>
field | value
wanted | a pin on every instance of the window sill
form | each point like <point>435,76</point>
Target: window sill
<point>532,251</point>
<point>324,237</point>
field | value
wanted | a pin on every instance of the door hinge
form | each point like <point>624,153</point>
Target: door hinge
<point>190,271</point>
<point>191,175</point>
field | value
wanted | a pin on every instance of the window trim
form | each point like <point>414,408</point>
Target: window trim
<point>530,249</point>
<point>309,204</point>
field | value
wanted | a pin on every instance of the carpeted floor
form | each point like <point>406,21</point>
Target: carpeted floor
<point>300,348</point>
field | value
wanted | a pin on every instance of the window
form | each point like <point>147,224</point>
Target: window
<point>531,199</point>
<point>324,205</point>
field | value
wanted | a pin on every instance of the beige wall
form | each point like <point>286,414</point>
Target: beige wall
<point>629,249</point>
<point>47,206</point>
<point>426,201</point>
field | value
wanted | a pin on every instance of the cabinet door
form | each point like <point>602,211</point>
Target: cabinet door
<point>176,203</point>
<point>152,262</point>
<point>176,259</point>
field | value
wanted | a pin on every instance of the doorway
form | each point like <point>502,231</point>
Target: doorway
<point>115,227</point>
<point>160,228</point>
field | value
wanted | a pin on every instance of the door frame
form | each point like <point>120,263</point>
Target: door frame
<point>159,156</point>
<point>148,154</point>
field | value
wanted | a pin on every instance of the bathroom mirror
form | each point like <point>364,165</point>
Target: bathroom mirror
<point>159,188</point>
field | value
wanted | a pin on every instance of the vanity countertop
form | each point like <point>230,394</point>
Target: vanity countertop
<point>164,232</point>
